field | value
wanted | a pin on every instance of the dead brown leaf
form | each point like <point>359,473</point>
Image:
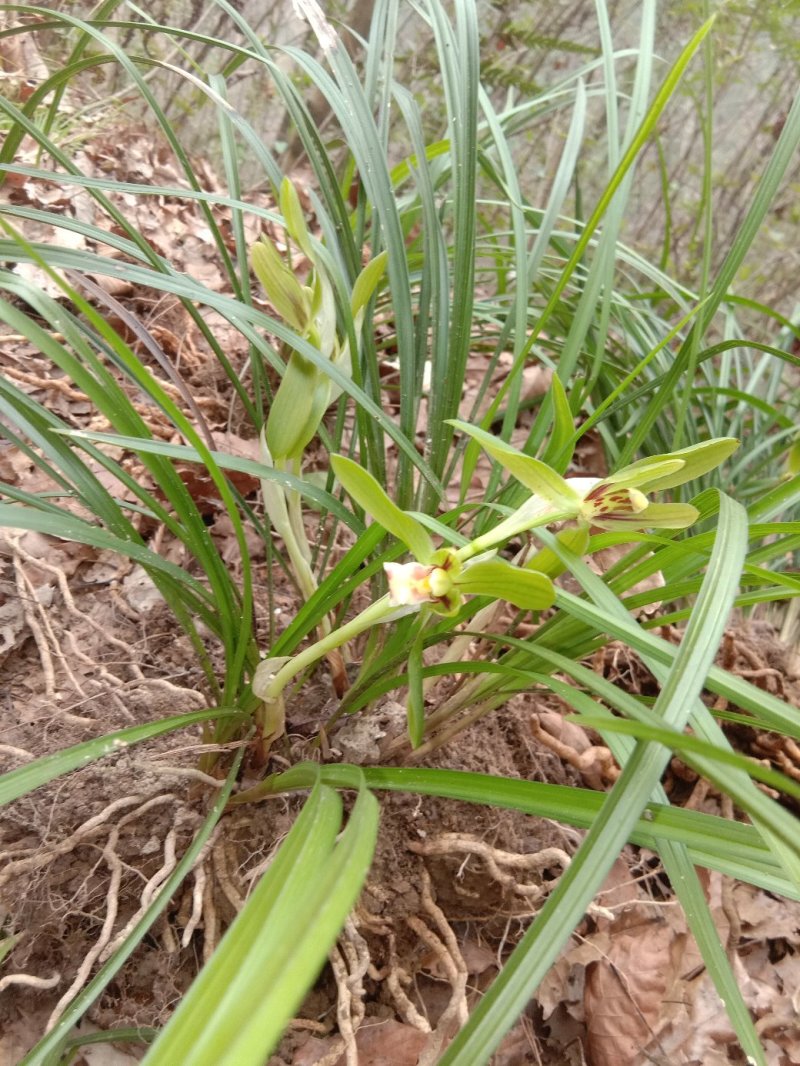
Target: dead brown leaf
<point>625,990</point>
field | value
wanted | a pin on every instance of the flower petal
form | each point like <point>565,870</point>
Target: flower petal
<point>607,501</point>
<point>654,516</point>
<point>447,605</point>
<point>527,589</point>
<point>697,459</point>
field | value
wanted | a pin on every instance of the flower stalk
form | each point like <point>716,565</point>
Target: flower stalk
<point>272,676</point>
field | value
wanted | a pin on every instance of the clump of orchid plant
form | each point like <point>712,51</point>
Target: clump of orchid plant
<point>438,579</point>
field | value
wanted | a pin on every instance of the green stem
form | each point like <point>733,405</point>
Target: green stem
<point>380,611</point>
<point>529,516</point>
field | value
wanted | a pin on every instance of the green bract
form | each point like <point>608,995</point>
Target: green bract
<point>306,392</point>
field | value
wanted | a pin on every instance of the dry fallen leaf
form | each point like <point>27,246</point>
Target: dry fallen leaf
<point>379,1043</point>
<point>625,991</point>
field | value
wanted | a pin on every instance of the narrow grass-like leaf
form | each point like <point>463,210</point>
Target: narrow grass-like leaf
<point>558,452</point>
<point>415,701</point>
<point>23,779</point>
<point>690,747</point>
<point>322,500</point>
<point>460,68</point>
<point>732,847</point>
<point>629,157</point>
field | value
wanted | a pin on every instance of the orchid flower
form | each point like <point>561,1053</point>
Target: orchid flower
<point>440,578</point>
<point>437,579</point>
<point>616,502</point>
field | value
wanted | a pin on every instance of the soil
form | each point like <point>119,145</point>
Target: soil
<point>89,647</point>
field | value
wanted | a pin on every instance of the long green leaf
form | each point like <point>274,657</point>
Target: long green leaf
<point>236,1010</point>
<point>717,843</point>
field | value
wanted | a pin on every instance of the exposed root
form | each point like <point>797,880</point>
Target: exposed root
<point>112,903</point>
<point>210,920</point>
<point>29,981</point>
<point>788,758</point>
<point>596,760</point>
<point>198,895</point>
<point>111,821</point>
<point>495,859</point>
<point>16,753</point>
<point>63,651</point>
<point>397,979</point>
<point>444,945</point>
<point>224,861</point>
<point>43,855</point>
<point>757,670</point>
<point>188,773</point>
<point>27,596</point>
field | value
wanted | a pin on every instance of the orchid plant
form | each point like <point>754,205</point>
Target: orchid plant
<point>437,579</point>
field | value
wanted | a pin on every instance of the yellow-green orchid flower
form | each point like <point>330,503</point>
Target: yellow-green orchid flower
<point>616,502</point>
<point>440,578</point>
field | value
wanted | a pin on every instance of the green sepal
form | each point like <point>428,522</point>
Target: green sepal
<point>698,459</point>
<point>532,473</point>
<point>368,493</point>
<point>528,589</point>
